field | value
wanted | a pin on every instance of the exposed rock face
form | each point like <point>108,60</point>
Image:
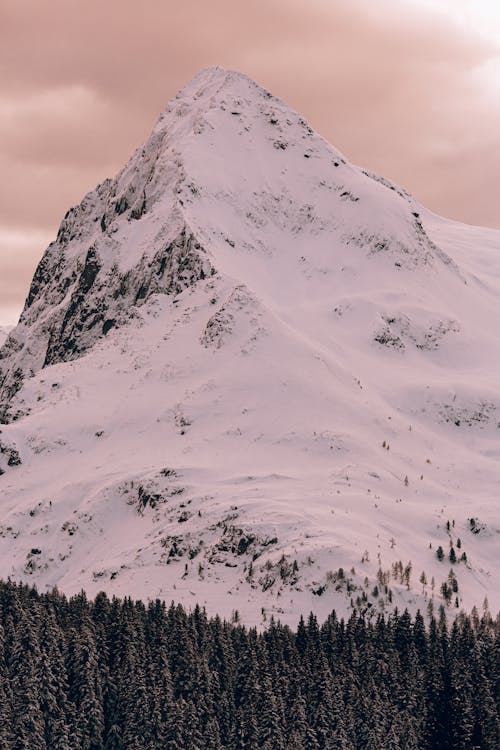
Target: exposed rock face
<point>82,302</point>
<point>94,275</point>
<point>101,300</point>
<point>9,457</point>
<point>127,240</point>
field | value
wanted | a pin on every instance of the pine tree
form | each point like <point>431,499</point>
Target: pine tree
<point>437,720</point>
<point>5,697</point>
<point>91,675</point>
<point>192,738</point>
<point>270,728</point>
<point>53,686</point>
<point>113,738</point>
<point>393,738</point>
<point>85,691</point>
<point>135,708</point>
<point>28,720</point>
<point>212,735</point>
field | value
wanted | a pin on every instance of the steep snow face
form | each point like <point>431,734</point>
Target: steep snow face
<point>253,375</point>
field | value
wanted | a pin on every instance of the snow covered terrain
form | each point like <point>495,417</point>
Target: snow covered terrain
<point>4,332</point>
<point>252,375</point>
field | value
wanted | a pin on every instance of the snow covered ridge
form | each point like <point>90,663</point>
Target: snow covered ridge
<point>271,379</point>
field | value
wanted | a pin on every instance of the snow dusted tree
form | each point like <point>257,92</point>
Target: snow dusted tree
<point>116,675</point>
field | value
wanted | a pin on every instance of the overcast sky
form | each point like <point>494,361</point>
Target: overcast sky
<point>408,88</point>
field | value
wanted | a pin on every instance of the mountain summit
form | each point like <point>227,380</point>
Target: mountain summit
<point>227,164</point>
<point>251,374</point>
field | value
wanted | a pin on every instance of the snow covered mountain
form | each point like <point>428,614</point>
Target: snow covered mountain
<point>253,375</point>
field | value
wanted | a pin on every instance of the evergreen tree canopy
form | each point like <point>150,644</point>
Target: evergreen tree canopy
<point>119,675</point>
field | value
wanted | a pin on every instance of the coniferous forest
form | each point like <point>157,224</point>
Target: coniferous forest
<point>116,674</point>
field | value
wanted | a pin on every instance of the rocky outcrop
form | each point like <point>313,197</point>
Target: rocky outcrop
<point>9,456</point>
<point>73,304</point>
<point>102,300</point>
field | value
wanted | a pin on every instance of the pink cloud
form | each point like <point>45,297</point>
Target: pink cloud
<point>398,88</point>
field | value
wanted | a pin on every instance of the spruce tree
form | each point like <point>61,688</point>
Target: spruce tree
<point>28,726</point>
<point>85,690</point>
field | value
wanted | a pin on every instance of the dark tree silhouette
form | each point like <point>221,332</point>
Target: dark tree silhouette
<point>119,675</point>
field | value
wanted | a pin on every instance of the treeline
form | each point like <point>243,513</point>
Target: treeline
<point>121,675</point>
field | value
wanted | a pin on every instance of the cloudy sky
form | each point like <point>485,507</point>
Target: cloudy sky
<point>408,88</point>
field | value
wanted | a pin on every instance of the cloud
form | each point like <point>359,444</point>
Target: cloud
<point>398,87</point>
<point>19,255</point>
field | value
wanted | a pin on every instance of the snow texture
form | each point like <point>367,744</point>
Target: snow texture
<point>4,332</point>
<point>251,375</point>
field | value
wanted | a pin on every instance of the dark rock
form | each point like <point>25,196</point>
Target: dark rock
<point>108,325</point>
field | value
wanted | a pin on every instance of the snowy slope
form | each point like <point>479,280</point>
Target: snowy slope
<point>245,364</point>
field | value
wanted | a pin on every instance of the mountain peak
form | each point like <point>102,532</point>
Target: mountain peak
<point>227,166</point>
<point>214,74</point>
<point>219,77</point>
<point>210,88</point>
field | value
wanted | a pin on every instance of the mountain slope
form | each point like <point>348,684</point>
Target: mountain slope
<point>257,364</point>
<point>4,332</point>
